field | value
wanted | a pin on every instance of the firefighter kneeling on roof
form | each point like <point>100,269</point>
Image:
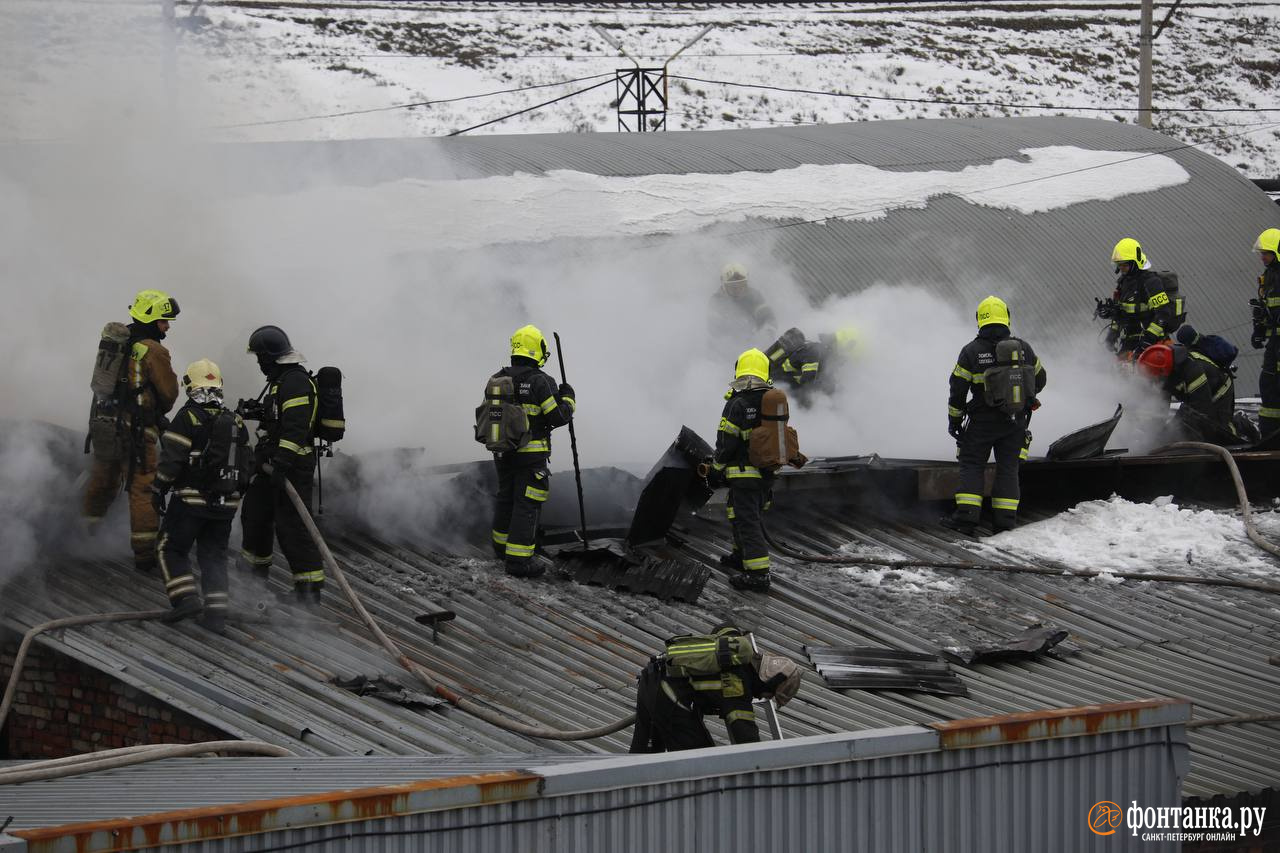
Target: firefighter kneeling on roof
<point>752,442</point>
<point>1004,376</point>
<point>720,673</point>
<point>205,458</point>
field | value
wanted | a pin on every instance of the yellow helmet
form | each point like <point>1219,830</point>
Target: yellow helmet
<point>1268,241</point>
<point>1128,249</point>
<point>151,305</point>
<point>202,374</point>
<point>992,310</point>
<point>752,363</point>
<point>846,339</point>
<point>529,342</point>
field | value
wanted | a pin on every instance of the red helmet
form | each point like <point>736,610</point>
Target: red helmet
<point>1156,361</point>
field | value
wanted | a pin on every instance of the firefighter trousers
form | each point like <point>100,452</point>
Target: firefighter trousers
<point>182,528</point>
<point>266,515</point>
<point>106,477</point>
<point>1010,441</point>
<point>745,507</point>
<point>522,490</point>
<point>1269,388</point>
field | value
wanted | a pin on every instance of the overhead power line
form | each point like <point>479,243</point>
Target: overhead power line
<point>954,103</point>
<point>414,104</point>
<point>532,108</point>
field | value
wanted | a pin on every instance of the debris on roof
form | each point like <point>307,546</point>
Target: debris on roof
<point>1029,644</point>
<point>862,668</point>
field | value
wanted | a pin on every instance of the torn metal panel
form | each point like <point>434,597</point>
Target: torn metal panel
<point>672,485</point>
<point>1029,644</point>
<point>1086,443</point>
<point>861,668</point>
<point>618,567</point>
<point>381,687</point>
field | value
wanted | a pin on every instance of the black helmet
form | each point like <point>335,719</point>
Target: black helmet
<point>269,343</point>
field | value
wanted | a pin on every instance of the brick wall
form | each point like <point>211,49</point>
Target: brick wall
<point>63,707</point>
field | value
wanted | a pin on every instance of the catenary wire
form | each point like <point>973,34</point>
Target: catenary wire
<point>529,109</point>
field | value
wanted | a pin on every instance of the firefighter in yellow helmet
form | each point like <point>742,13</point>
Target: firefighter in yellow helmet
<point>145,393</point>
<point>813,367</point>
<point>205,460</point>
<point>749,486</point>
<point>1266,329</point>
<point>521,460</point>
<point>1146,306</point>
<point>738,312</point>
<point>993,392</point>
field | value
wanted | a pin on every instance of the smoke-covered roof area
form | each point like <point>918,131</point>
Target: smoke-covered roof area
<point>251,62</point>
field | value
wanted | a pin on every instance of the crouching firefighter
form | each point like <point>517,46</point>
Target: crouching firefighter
<point>286,412</point>
<point>522,405</point>
<point>752,442</point>
<point>134,387</point>
<point>205,460</point>
<point>1004,376</point>
<point>1205,390</point>
<point>720,673</point>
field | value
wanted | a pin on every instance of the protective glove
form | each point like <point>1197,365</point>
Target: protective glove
<point>715,476</point>
<point>1259,338</point>
<point>158,499</point>
<point>955,428</point>
<point>277,472</point>
<point>1035,405</point>
<point>566,390</point>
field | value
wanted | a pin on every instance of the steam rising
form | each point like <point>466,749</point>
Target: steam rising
<point>132,205</point>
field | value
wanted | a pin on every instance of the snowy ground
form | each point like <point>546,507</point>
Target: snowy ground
<point>279,66</point>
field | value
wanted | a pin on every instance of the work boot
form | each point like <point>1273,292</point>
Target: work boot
<point>214,620</point>
<point>307,593</point>
<point>145,567</point>
<point>966,526</point>
<point>750,581</point>
<point>183,608</point>
<point>732,560</point>
<point>530,567</point>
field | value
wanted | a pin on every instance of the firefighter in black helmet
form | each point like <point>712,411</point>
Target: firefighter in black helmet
<point>285,452</point>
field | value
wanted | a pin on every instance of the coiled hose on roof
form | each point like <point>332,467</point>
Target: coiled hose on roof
<point>433,682</point>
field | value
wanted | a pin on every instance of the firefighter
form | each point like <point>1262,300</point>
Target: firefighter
<point>749,486</point>
<point>1266,329</point>
<point>1206,391</point>
<point>720,674</point>
<point>986,422</point>
<point>524,481</point>
<point>152,389</point>
<point>814,366</point>
<point>738,311</point>
<point>203,434</point>
<point>284,452</point>
<point>1147,306</point>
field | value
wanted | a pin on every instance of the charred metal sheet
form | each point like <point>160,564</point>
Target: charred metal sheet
<point>1086,443</point>
<point>1064,722</point>
<point>252,818</point>
<point>860,668</point>
<point>619,567</point>
<point>1029,644</point>
<point>381,687</point>
<point>673,484</point>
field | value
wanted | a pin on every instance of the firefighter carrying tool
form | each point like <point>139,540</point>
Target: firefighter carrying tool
<point>205,458</point>
<point>1004,376</point>
<point>719,673</point>
<point>522,405</point>
<point>134,388</point>
<point>1146,306</point>
<point>286,411</point>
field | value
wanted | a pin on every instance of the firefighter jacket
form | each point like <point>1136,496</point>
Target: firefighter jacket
<point>286,433</point>
<point>539,396</point>
<point>736,317</point>
<point>1150,307</point>
<point>1269,296</point>
<point>804,364</point>
<point>1202,387</point>
<point>741,414</point>
<point>182,449</point>
<point>968,376</point>
<point>153,387</point>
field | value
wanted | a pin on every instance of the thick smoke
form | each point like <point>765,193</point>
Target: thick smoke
<point>131,202</point>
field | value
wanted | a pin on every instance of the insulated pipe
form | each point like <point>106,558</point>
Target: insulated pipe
<point>433,683</point>
<point>116,758</point>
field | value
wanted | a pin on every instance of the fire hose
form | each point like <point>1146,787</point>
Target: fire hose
<point>433,682</point>
<point>114,758</point>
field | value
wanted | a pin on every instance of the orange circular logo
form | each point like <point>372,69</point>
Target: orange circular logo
<point>1105,817</point>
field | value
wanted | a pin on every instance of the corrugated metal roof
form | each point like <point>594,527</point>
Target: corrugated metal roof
<point>567,655</point>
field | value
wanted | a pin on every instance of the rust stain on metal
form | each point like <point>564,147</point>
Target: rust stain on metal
<point>211,822</point>
<point>1043,725</point>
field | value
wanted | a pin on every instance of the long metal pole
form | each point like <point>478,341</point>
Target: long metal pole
<point>1145,38</point>
<point>573,445</point>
